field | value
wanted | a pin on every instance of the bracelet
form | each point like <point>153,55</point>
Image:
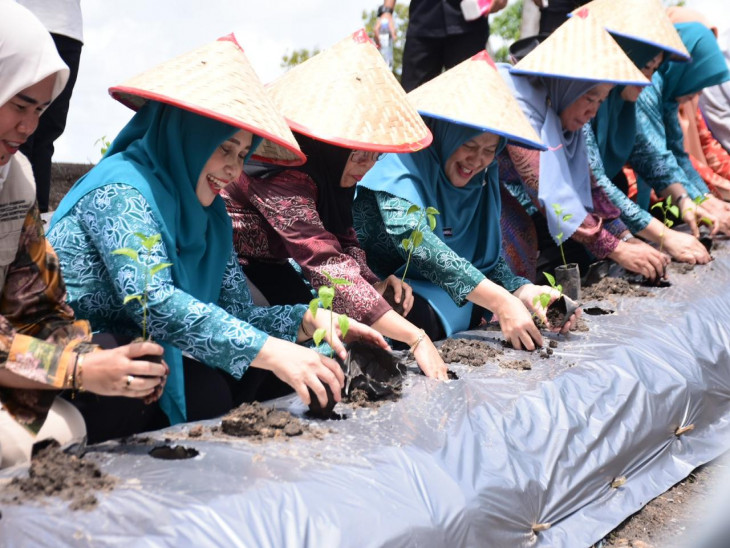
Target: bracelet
<point>628,237</point>
<point>78,375</point>
<point>421,335</point>
<point>384,9</point>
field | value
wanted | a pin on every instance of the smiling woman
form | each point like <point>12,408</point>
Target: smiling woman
<point>223,167</point>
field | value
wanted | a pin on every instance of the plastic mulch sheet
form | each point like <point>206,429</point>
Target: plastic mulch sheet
<point>499,457</point>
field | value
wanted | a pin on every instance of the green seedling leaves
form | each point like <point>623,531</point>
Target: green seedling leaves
<point>132,298</point>
<point>162,266</point>
<point>413,209</point>
<point>344,323</point>
<point>417,238</point>
<point>674,210</point>
<point>406,243</point>
<point>326,295</point>
<point>706,220</point>
<point>128,252</point>
<point>314,306</point>
<point>319,335</point>
<point>550,278</point>
<point>432,211</point>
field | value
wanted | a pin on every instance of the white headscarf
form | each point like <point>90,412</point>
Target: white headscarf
<point>27,56</point>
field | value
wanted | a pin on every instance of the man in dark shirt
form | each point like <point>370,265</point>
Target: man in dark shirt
<point>438,37</point>
<point>553,13</point>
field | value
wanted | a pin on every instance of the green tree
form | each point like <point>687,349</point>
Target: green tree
<point>297,56</point>
<point>506,26</point>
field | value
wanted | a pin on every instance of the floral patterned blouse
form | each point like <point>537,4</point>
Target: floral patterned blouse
<point>227,334</point>
<point>601,228</point>
<point>277,218</point>
<point>635,218</point>
<point>658,157</point>
<point>382,222</point>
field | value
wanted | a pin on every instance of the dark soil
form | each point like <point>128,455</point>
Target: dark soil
<point>373,375</point>
<point>389,296</point>
<point>612,286</point>
<point>681,268</point>
<point>596,311</point>
<point>360,398</point>
<point>468,352</point>
<point>63,176</point>
<point>580,325</point>
<point>253,420</point>
<point>520,365</point>
<point>54,473</point>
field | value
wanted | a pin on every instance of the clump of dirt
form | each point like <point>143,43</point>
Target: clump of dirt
<point>520,365</point>
<point>612,286</point>
<point>553,344</point>
<point>468,352</point>
<point>196,431</point>
<point>360,398</point>
<point>580,325</point>
<point>54,473</point>
<point>253,420</point>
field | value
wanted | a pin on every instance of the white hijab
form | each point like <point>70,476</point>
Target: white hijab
<point>27,56</point>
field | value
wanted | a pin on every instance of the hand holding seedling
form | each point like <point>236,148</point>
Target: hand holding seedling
<point>401,291</point>
<point>685,248</point>
<point>637,256</point>
<point>537,298</point>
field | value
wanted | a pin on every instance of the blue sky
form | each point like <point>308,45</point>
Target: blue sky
<point>125,38</point>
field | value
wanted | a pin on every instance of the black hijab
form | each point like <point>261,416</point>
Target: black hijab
<point>325,164</point>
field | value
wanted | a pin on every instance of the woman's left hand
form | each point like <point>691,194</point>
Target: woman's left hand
<point>402,291</point>
<point>356,331</point>
<point>529,294</point>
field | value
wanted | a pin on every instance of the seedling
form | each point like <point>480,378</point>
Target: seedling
<point>326,295</point>
<point>559,236</point>
<point>150,270</point>
<point>666,207</point>
<point>544,298</point>
<point>416,237</point>
<point>699,200</point>
<point>105,144</point>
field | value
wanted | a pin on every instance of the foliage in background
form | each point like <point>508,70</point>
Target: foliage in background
<point>506,25</point>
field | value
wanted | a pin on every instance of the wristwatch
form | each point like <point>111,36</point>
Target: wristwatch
<point>384,9</point>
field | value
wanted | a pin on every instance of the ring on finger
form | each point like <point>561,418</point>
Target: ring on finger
<point>130,378</point>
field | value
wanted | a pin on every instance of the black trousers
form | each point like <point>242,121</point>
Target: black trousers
<point>209,393</point>
<point>278,282</point>
<point>426,58</point>
<point>39,147</point>
<point>557,13</point>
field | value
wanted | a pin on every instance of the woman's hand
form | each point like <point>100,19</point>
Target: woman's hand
<point>714,210</point>
<point>327,321</point>
<point>401,290</point>
<point>301,368</point>
<point>530,295</point>
<point>685,247</point>
<point>516,322</point>
<point>116,372</point>
<point>429,360</point>
<point>640,257</point>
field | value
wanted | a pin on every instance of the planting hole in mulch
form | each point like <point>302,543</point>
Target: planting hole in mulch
<point>468,352</point>
<point>54,473</point>
<point>612,286</point>
<point>173,452</point>
<point>597,311</point>
<point>452,375</point>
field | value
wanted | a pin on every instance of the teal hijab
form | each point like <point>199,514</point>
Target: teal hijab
<point>160,153</point>
<point>470,215</point>
<point>707,67</point>
<point>614,126</point>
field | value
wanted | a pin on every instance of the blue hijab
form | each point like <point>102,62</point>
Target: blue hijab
<point>160,153</point>
<point>472,212</point>
<point>614,125</point>
<point>707,67</point>
<point>565,175</point>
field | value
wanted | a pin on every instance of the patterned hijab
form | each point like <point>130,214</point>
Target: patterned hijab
<point>161,153</point>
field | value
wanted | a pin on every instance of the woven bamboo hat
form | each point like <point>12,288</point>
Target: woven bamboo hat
<point>347,96</point>
<point>473,94</point>
<point>643,20</point>
<point>217,81</point>
<point>581,49</point>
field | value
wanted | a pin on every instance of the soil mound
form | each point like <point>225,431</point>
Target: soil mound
<point>612,286</point>
<point>468,352</point>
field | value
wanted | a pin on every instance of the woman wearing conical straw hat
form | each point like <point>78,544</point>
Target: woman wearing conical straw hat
<point>560,85</point>
<point>611,134</point>
<point>457,272</point>
<point>201,115</point>
<point>346,109</point>
<point>43,349</point>
<point>658,157</point>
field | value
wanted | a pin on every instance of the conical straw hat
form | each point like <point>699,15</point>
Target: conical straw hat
<point>217,81</point>
<point>642,20</point>
<point>581,49</point>
<point>473,94</point>
<point>347,96</point>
